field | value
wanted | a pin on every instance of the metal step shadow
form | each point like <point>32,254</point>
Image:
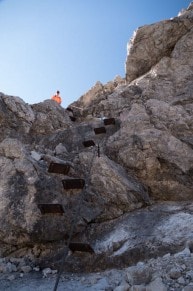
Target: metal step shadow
<point>58,168</point>
<point>73,183</point>
<point>109,121</point>
<point>81,247</point>
<point>72,118</point>
<point>88,143</point>
<point>51,208</point>
<point>99,130</point>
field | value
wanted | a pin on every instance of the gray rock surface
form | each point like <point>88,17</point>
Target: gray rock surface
<point>136,206</point>
<point>151,43</point>
<point>151,275</point>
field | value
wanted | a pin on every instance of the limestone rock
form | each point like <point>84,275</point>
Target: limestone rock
<point>26,269</point>
<point>17,106</point>
<point>124,287</point>
<point>151,43</point>
<point>150,152</point>
<point>16,117</point>
<point>85,105</point>
<point>157,285</point>
<point>175,273</point>
<point>188,288</point>
<point>49,117</point>
<point>116,191</point>
<point>36,156</point>
<point>137,199</point>
<point>138,275</point>
<point>137,288</point>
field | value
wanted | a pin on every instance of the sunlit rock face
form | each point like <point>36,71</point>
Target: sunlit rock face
<point>47,135</point>
<point>23,121</point>
<point>151,43</point>
<point>139,165</point>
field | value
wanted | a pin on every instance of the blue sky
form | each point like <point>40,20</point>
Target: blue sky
<point>69,45</point>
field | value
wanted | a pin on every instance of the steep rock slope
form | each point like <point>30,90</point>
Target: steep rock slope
<point>155,109</point>
<point>142,158</point>
<point>35,136</point>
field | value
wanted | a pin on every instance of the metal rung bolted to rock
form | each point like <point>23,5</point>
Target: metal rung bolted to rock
<point>99,130</point>
<point>108,121</point>
<point>58,168</point>
<point>73,183</point>
<point>51,208</point>
<point>72,118</point>
<point>80,247</point>
<point>88,143</point>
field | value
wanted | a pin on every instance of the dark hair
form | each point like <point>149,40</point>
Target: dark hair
<point>58,92</point>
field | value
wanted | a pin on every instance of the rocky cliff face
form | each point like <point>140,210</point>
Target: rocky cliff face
<point>137,171</point>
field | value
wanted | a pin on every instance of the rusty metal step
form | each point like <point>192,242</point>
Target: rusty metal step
<point>80,247</point>
<point>88,143</point>
<point>51,208</point>
<point>108,121</point>
<point>73,183</point>
<point>99,130</point>
<point>58,168</point>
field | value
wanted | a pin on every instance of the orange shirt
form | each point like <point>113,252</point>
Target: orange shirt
<point>57,98</point>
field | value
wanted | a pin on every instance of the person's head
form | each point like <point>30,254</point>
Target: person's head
<point>58,92</point>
